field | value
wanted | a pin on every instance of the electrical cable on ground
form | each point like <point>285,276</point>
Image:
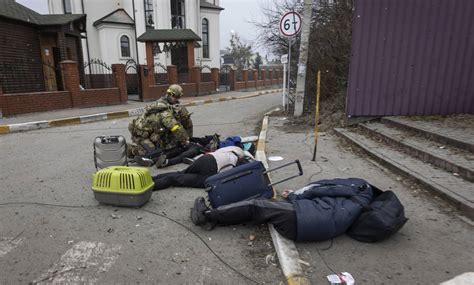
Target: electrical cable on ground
<point>144,210</point>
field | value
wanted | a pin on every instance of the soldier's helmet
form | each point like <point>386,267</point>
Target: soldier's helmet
<point>175,90</point>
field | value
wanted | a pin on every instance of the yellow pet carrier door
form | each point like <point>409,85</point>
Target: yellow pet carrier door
<point>122,186</point>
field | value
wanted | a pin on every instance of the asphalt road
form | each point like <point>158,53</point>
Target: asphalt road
<point>83,241</point>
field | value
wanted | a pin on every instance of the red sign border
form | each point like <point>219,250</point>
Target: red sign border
<point>299,29</point>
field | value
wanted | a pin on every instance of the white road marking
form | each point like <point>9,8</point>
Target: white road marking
<point>83,263</point>
<point>7,244</point>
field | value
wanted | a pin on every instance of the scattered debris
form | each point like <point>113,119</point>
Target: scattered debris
<point>110,230</point>
<point>271,259</point>
<point>250,243</point>
<point>304,262</point>
<point>442,147</point>
<point>140,269</point>
<point>341,278</point>
<point>138,218</point>
<point>115,216</point>
<point>455,174</point>
<point>251,237</point>
<point>70,241</point>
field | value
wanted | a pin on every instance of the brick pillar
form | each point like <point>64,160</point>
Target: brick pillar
<point>172,74</point>
<point>232,79</point>
<point>61,43</point>
<point>144,83</point>
<point>245,77</point>
<point>264,76</point>
<point>215,77</point>
<point>195,77</point>
<point>70,77</point>
<point>255,77</point>
<point>120,80</point>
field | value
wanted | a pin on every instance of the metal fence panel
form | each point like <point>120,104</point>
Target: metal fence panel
<point>412,57</point>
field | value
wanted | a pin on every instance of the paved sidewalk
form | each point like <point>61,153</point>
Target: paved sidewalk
<point>416,254</point>
<point>63,117</point>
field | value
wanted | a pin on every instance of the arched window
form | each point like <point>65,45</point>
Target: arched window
<point>125,46</point>
<point>205,38</point>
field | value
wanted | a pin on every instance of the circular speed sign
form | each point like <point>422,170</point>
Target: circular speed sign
<point>290,24</point>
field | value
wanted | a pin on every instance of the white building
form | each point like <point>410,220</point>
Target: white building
<point>114,25</point>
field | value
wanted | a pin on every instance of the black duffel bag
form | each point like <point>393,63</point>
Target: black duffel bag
<point>384,216</point>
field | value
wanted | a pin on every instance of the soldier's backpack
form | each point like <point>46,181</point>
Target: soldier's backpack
<point>384,216</point>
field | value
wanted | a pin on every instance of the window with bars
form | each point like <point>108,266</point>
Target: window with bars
<point>205,38</point>
<point>178,14</point>
<point>149,23</point>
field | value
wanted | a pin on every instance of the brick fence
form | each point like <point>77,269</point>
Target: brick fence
<point>74,96</point>
<point>71,97</point>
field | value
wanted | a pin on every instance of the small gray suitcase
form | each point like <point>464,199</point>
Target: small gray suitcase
<point>110,151</point>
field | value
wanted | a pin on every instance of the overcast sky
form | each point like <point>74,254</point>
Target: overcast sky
<point>236,17</point>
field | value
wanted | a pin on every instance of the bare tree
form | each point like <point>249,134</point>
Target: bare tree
<point>329,44</point>
<point>240,52</point>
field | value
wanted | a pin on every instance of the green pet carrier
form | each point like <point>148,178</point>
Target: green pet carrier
<point>122,186</point>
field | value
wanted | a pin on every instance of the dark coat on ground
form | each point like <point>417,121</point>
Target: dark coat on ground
<point>327,208</point>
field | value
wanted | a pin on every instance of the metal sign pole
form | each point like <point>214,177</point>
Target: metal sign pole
<point>284,86</point>
<point>289,68</point>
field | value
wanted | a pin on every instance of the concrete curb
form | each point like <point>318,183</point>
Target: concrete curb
<point>286,250</point>
<point>29,126</point>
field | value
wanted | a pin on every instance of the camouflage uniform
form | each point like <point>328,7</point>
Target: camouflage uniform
<point>163,125</point>
<point>184,117</point>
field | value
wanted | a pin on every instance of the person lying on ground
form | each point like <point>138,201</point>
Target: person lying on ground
<point>315,212</point>
<point>196,146</point>
<point>207,165</point>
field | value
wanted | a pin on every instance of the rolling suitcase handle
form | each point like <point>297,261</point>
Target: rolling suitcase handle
<point>300,172</point>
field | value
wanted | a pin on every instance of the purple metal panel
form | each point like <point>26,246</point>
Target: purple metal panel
<point>411,57</point>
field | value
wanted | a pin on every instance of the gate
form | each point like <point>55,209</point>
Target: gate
<point>97,74</point>
<point>132,77</point>
<point>224,78</point>
<point>161,74</point>
<point>206,73</point>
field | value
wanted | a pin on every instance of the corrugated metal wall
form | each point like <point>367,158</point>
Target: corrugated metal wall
<point>412,57</point>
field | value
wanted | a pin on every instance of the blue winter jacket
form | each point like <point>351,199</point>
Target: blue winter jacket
<point>327,208</point>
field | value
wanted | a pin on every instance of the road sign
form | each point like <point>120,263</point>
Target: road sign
<point>284,59</point>
<point>290,24</point>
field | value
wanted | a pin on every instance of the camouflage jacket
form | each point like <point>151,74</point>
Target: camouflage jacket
<point>167,123</point>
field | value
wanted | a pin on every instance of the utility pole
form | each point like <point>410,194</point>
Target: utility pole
<point>302,62</point>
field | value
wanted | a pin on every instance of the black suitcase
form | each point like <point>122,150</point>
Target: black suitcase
<point>110,151</point>
<point>243,182</point>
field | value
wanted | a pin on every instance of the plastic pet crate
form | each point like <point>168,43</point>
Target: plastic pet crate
<point>122,186</point>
